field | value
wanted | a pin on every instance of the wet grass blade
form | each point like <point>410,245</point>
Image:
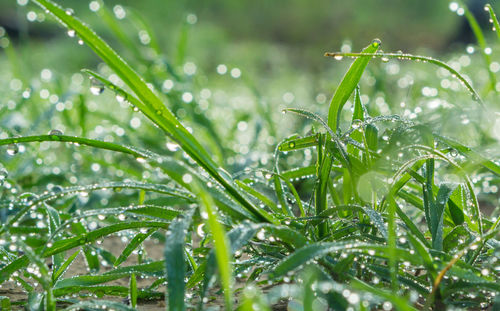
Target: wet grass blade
<point>348,84</point>
<point>222,247</point>
<point>437,215</point>
<point>175,261</point>
<point>153,107</point>
<point>493,18</point>
<point>133,290</point>
<point>59,272</point>
<point>481,41</point>
<point>132,245</point>
<point>425,59</point>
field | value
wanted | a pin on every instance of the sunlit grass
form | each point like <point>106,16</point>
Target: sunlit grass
<point>392,204</point>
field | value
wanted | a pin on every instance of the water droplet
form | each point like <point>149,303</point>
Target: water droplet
<point>376,43</point>
<point>96,86</point>
<point>120,97</point>
<point>187,178</point>
<point>291,144</point>
<point>56,132</point>
<point>338,57</point>
<point>12,149</point>
<point>172,146</point>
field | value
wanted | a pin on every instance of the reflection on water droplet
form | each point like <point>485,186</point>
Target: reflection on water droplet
<point>12,149</point>
<point>96,87</point>
<point>338,57</point>
<point>187,178</point>
<point>121,97</point>
<point>56,132</point>
<point>71,33</point>
<point>172,146</point>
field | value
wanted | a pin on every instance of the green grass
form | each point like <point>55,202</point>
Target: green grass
<point>393,204</point>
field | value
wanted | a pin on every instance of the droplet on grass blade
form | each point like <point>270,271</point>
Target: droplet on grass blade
<point>55,132</point>
<point>12,149</point>
<point>96,86</point>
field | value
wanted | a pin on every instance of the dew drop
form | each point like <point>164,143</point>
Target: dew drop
<point>376,43</point>
<point>56,132</point>
<point>12,149</point>
<point>120,97</point>
<point>172,146</point>
<point>96,86</point>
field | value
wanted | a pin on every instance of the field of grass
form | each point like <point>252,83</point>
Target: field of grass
<point>139,177</point>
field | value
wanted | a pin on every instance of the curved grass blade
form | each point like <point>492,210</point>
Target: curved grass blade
<point>73,139</point>
<point>493,18</point>
<point>88,280</point>
<point>400,303</point>
<point>153,107</point>
<point>91,237</point>
<point>348,84</point>
<point>152,269</point>
<point>175,261</point>
<point>425,59</point>
<point>59,272</point>
<point>132,245</point>
<point>481,41</point>
<point>469,153</point>
<point>71,190</point>
<point>317,250</point>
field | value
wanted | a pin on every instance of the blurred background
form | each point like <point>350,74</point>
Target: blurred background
<point>303,30</point>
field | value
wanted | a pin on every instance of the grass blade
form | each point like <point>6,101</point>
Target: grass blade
<point>222,247</point>
<point>348,84</point>
<point>425,59</point>
<point>175,261</point>
<point>134,243</point>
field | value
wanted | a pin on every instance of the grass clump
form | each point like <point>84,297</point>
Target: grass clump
<point>368,209</point>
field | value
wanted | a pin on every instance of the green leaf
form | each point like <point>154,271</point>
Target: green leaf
<point>88,280</point>
<point>494,18</point>
<point>371,134</point>
<point>133,290</point>
<point>59,272</point>
<point>221,244</point>
<point>348,84</point>
<point>437,214</point>
<point>175,261</point>
<point>425,59</point>
<point>298,143</point>
<point>132,245</point>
